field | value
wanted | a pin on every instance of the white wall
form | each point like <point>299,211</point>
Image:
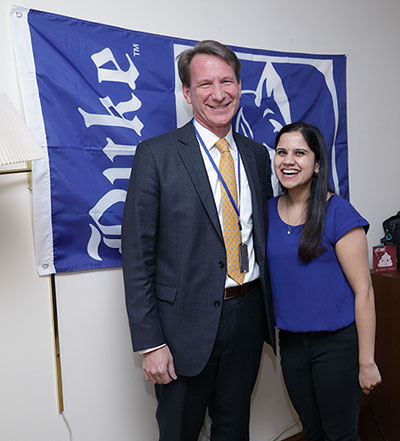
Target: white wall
<point>105,397</point>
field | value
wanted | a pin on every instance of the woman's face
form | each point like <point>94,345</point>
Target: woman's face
<point>294,161</point>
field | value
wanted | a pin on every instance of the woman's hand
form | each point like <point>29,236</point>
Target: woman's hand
<point>369,377</point>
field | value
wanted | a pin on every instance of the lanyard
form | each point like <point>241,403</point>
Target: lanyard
<point>237,208</point>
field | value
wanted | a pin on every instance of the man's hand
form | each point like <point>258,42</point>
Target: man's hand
<point>158,366</point>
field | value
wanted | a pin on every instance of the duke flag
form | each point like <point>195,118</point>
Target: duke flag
<point>92,92</point>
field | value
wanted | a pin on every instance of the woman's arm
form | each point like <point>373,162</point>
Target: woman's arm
<point>352,252</point>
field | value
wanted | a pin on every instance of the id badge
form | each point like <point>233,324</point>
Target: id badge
<point>243,258</point>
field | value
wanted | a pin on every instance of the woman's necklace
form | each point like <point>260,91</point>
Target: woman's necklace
<point>289,225</point>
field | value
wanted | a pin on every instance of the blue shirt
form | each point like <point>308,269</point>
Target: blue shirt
<point>312,296</point>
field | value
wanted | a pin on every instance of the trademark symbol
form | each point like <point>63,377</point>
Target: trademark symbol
<point>136,50</point>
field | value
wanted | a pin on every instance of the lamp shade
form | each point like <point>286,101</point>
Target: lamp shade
<point>17,144</point>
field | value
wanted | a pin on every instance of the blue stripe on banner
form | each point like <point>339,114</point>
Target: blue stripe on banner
<point>104,89</point>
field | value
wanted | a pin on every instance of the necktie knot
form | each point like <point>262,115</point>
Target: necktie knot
<point>222,145</point>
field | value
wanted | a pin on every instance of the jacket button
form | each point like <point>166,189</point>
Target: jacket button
<point>217,303</point>
<point>221,264</point>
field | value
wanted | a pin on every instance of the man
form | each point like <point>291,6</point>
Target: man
<point>194,205</point>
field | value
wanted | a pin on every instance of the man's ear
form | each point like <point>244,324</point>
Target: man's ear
<point>186,93</point>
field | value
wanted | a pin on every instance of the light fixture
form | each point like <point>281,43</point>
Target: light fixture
<point>17,143</point>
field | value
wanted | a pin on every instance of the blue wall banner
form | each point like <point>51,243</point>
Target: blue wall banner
<point>92,92</point>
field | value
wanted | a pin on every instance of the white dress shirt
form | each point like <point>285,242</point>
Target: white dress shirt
<point>245,207</point>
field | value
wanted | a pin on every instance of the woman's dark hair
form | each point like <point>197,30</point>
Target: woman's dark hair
<point>310,245</point>
<point>206,47</point>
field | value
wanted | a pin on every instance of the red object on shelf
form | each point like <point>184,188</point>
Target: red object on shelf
<point>384,258</point>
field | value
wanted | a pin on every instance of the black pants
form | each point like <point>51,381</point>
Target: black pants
<point>321,375</point>
<point>226,383</point>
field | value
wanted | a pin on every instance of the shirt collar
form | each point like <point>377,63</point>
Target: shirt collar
<point>209,138</point>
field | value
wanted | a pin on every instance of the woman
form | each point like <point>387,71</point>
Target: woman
<point>324,301</point>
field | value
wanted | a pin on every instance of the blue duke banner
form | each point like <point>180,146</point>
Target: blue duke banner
<point>92,92</point>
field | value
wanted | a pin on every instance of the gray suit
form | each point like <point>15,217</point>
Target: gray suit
<point>174,263</point>
<point>173,249</point>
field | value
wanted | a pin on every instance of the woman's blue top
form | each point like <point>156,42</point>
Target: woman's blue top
<point>313,296</point>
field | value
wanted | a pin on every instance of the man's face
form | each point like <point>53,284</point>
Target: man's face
<point>214,93</point>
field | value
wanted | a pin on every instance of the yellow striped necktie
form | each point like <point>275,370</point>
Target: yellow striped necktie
<point>232,236</point>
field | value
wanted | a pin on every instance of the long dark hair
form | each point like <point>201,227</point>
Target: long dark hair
<point>310,245</point>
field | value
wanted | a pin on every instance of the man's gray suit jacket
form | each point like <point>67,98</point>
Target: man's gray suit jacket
<point>174,259</point>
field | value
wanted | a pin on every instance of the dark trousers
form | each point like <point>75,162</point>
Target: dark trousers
<point>226,383</point>
<point>321,375</point>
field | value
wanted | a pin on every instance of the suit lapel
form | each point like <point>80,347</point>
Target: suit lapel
<point>255,184</point>
<point>193,161</point>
